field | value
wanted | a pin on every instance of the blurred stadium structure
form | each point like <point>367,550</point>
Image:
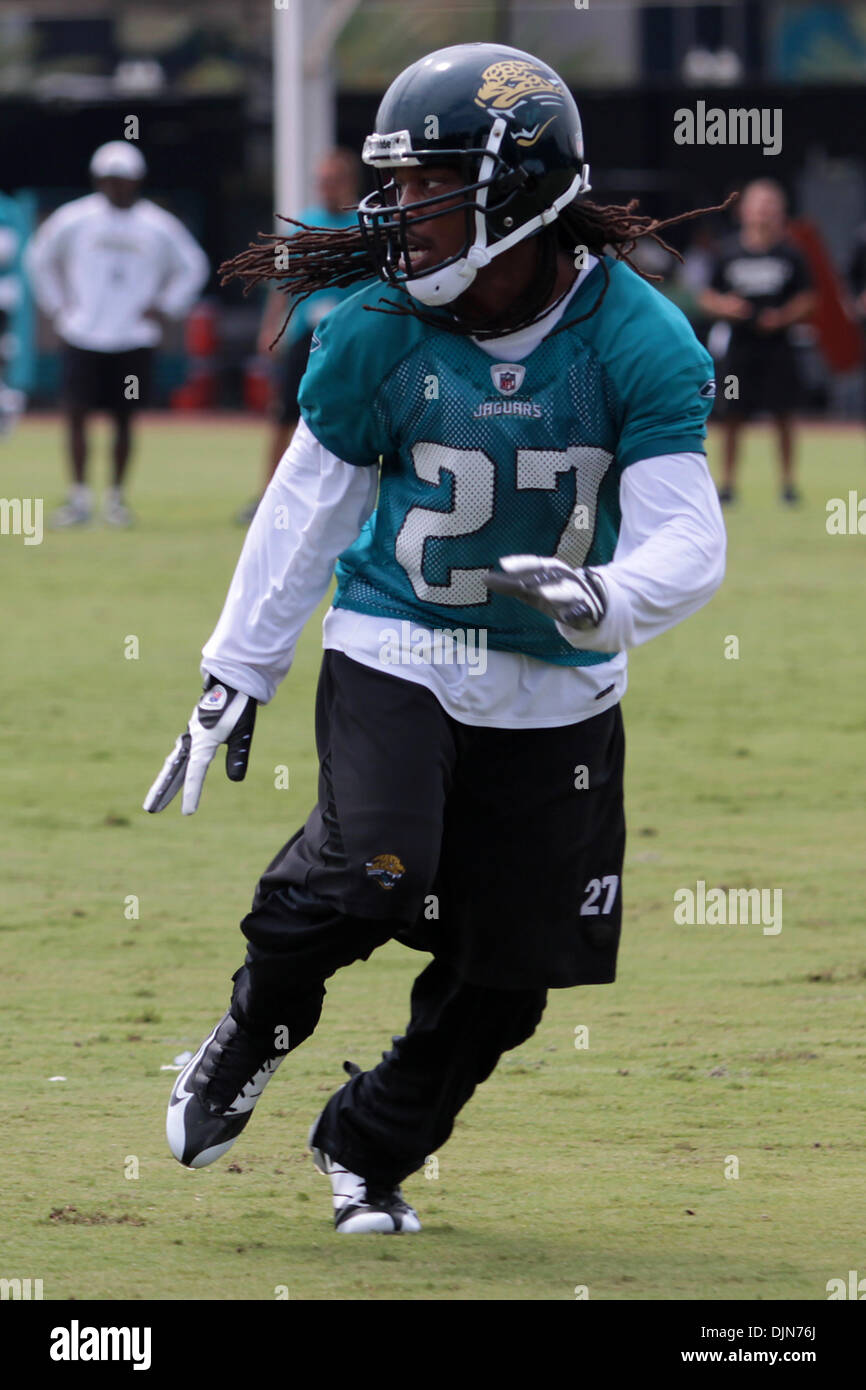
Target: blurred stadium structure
<point>200,80</point>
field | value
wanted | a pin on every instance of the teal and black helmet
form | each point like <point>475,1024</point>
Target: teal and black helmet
<point>508,123</point>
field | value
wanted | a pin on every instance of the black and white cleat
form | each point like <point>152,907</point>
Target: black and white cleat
<point>214,1096</point>
<point>361,1206</point>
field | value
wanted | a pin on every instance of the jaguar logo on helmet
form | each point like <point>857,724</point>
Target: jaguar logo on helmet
<point>512,83</point>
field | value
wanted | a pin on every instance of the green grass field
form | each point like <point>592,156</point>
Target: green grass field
<point>602,1167</point>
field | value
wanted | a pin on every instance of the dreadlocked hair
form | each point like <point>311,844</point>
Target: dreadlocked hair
<point>617,229</point>
<point>312,259</point>
<point>318,258</point>
<point>620,228</point>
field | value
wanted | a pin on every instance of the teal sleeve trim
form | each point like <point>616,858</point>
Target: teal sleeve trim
<point>333,444</point>
<point>652,447</point>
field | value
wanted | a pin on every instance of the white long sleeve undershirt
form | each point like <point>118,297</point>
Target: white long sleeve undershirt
<point>668,562</point>
<point>670,554</point>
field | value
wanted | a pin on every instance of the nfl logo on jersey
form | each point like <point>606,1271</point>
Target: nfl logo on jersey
<point>507,377</point>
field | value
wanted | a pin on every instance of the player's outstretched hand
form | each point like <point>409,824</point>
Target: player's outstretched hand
<point>574,597</point>
<point>222,715</point>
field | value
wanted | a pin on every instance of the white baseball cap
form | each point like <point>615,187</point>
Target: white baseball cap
<point>118,159</point>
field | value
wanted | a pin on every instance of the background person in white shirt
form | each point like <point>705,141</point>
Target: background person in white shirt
<point>107,269</point>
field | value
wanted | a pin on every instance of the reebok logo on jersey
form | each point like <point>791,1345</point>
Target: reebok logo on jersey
<point>315,342</point>
<point>507,377</point>
<point>708,390</point>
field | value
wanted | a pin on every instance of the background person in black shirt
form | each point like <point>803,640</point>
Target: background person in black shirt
<point>760,286</point>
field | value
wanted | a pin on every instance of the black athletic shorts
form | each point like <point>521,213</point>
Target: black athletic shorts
<point>291,368</point>
<point>101,380</point>
<point>500,850</point>
<point>767,375</point>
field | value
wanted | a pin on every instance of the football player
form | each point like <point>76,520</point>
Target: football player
<point>532,416</point>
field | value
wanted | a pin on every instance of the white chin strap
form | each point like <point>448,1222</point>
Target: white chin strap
<point>442,286</point>
<point>445,285</point>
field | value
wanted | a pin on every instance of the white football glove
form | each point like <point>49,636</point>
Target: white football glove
<point>574,597</point>
<point>222,715</point>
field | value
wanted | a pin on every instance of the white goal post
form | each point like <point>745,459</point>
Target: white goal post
<point>304,100</point>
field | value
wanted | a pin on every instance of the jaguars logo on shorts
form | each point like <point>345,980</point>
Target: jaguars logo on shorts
<point>514,83</point>
<point>386,869</point>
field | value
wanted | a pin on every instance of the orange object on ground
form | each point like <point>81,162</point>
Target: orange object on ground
<point>201,331</point>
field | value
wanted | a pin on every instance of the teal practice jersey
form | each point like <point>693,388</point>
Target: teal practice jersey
<point>482,458</point>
